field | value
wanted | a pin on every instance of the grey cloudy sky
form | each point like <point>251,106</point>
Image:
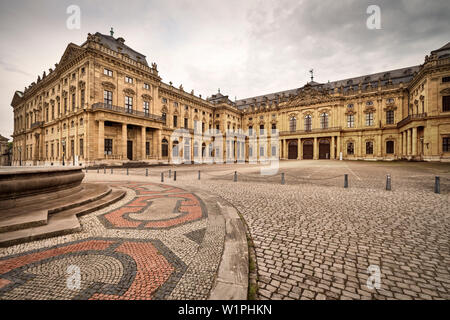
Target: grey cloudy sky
<point>245,48</point>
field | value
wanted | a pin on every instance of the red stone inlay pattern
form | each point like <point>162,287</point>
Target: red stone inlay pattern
<point>189,209</point>
<point>152,268</point>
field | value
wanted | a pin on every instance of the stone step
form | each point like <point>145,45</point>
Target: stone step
<point>35,215</point>
<point>60,223</point>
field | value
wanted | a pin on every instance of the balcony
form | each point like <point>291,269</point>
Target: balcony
<point>37,124</point>
<point>317,130</point>
<point>108,107</point>
<point>410,118</point>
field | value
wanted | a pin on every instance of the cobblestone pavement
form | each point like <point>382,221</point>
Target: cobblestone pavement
<point>147,246</point>
<point>314,239</point>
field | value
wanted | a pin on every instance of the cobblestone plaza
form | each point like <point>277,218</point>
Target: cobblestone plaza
<point>312,238</point>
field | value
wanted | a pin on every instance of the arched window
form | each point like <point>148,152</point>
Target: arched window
<point>81,121</point>
<point>292,124</point>
<point>350,148</point>
<point>324,120</point>
<point>165,148</point>
<point>308,124</point>
<point>175,149</point>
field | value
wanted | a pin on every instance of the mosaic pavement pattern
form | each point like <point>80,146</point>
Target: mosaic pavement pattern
<point>156,243</point>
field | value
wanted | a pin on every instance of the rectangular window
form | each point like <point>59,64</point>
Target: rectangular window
<point>73,102</point>
<point>390,117</point>
<point>274,151</point>
<point>250,130</point>
<point>369,119</point>
<point>81,151</point>
<point>350,148</point>
<point>107,72</point>
<point>107,97</point>
<point>350,121</point>
<point>186,123</point>
<point>128,79</point>
<point>65,105</point>
<point>146,86</point>
<point>261,151</point>
<point>82,97</point>
<point>274,128</point>
<point>146,107</point>
<point>446,144</point>
<point>129,104</point>
<point>175,121</point>
<point>446,79</point>
<point>446,103</point>
<point>261,129</point>
<point>164,100</point>
<point>108,146</point>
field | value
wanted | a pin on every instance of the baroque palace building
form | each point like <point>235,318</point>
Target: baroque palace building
<point>104,104</point>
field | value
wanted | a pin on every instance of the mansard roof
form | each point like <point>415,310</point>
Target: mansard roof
<point>118,45</point>
<point>442,52</point>
<point>396,76</point>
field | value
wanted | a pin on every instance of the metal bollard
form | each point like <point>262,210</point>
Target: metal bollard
<point>104,170</point>
<point>282,178</point>
<point>437,184</point>
<point>98,170</point>
<point>162,176</point>
<point>235,176</point>
<point>174,176</point>
<point>127,171</point>
<point>111,170</point>
<point>198,174</point>
<point>146,172</point>
<point>170,173</point>
<point>388,182</point>
<point>345,180</point>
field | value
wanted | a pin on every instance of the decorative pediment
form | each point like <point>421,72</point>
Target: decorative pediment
<point>164,109</point>
<point>308,95</point>
<point>446,91</point>
<point>146,97</point>
<point>108,85</point>
<point>73,89</point>
<point>64,94</point>
<point>82,84</point>
<point>71,53</point>
<point>390,108</point>
<point>129,91</point>
<point>369,109</point>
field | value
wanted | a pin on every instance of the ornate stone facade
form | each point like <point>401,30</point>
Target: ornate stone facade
<point>103,103</point>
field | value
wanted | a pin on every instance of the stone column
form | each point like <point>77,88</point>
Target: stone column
<point>414,141</point>
<point>101,139</point>
<point>400,143</point>
<point>404,146</point>
<point>379,145</point>
<point>143,142</point>
<point>158,145</point>
<point>338,149</point>
<point>332,155</point>
<point>124,141</point>
<point>408,142</point>
<point>316,149</point>
<point>299,152</point>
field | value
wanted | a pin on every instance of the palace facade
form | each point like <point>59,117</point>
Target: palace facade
<point>104,104</point>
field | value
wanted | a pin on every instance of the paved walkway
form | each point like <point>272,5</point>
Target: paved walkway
<point>159,242</point>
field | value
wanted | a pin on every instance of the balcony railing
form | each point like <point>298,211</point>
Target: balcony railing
<point>410,118</point>
<point>104,106</point>
<point>317,130</point>
<point>37,124</point>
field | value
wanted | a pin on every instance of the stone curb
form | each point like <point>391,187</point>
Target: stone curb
<point>231,282</point>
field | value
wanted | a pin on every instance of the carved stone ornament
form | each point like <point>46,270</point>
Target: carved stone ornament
<point>129,91</point>
<point>146,97</point>
<point>108,85</point>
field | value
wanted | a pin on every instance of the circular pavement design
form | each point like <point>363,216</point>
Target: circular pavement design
<point>156,243</point>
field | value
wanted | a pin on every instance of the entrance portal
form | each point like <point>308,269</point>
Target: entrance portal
<point>293,149</point>
<point>324,149</point>
<point>308,149</point>
<point>130,150</point>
